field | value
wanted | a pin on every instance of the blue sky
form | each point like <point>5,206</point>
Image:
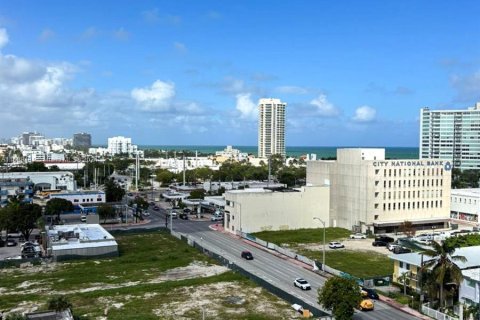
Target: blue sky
<point>353,73</point>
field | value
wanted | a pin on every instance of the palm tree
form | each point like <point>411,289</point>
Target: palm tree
<point>443,267</point>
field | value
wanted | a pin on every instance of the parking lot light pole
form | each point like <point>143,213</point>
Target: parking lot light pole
<point>323,256</point>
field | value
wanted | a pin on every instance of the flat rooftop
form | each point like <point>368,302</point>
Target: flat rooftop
<point>470,192</point>
<point>79,236</point>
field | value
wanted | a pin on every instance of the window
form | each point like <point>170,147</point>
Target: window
<point>375,217</point>
<point>75,200</point>
<point>400,264</point>
<point>407,266</point>
<point>470,283</point>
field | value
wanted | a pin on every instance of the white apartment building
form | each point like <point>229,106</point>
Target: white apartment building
<point>271,127</point>
<point>465,204</point>
<point>369,192</point>
<point>179,165</point>
<point>121,145</point>
<point>229,153</point>
<point>452,135</point>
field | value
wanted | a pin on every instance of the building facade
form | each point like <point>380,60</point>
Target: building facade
<point>271,127</point>
<point>82,140</point>
<point>81,197</point>
<point>19,187</point>
<point>368,192</point>
<point>452,135</point>
<point>253,210</point>
<point>121,145</point>
<point>60,180</point>
<point>465,205</point>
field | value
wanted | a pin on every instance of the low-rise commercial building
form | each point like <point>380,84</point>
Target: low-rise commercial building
<point>81,197</point>
<point>371,193</point>
<point>66,242</point>
<point>254,210</point>
<point>61,180</point>
<point>465,204</point>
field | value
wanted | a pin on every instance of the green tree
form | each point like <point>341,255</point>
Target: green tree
<point>113,192</point>
<point>407,228</point>
<point>341,296</point>
<point>164,176</point>
<point>140,204</point>
<point>442,267</point>
<point>15,316</point>
<point>105,212</point>
<point>25,218</point>
<point>197,194</point>
<point>56,206</point>
<point>59,303</point>
<point>36,167</point>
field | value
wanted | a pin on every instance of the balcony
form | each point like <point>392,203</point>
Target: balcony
<point>3,192</point>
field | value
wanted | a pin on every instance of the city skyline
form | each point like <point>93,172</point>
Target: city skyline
<point>192,73</point>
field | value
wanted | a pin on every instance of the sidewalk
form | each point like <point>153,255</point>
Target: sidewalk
<point>391,302</point>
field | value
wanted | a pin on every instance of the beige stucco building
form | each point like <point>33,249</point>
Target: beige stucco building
<point>254,210</point>
<point>369,192</point>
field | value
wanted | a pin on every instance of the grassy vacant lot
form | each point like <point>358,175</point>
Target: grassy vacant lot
<point>361,264</point>
<point>155,277</point>
<point>294,237</point>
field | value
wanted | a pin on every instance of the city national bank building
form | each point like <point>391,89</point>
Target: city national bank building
<point>368,192</point>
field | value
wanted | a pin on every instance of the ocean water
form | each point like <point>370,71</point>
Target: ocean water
<point>321,152</point>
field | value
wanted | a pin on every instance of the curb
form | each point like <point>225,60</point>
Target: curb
<point>392,303</point>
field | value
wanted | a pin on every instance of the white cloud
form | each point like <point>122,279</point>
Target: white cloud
<point>365,114</point>
<point>121,34</point>
<point>3,38</point>
<point>324,107</point>
<point>46,35</point>
<point>157,97</point>
<point>467,86</point>
<point>291,90</point>
<point>180,47</point>
<point>247,108</point>
<point>89,33</point>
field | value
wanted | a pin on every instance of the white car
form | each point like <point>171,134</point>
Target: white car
<point>391,246</point>
<point>335,245</point>
<point>358,236</point>
<point>302,284</point>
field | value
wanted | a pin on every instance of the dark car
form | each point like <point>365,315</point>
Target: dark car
<point>398,250</point>
<point>11,242</point>
<point>386,239</point>
<point>156,208</point>
<point>187,210</point>
<point>378,243</point>
<point>183,216</point>
<point>247,255</point>
<point>371,293</point>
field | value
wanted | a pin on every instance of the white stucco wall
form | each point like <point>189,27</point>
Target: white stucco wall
<point>254,210</point>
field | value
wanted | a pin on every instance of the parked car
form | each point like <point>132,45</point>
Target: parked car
<point>335,245</point>
<point>152,203</point>
<point>247,255</point>
<point>146,213</point>
<point>378,243</point>
<point>83,218</point>
<point>183,216</point>
<point>156,208</point>
<point>358,236</point>
<point>392,246</point>
<point>399,250</point>
<point>384,238</point>
<point>11,242</point>
<point>187,210</point>
<point>302,284</point>
<point>174,215</point>
<point>370,293</point>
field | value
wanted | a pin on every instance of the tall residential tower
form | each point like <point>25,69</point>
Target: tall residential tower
<point>271,127</point>
<point>452,135</point>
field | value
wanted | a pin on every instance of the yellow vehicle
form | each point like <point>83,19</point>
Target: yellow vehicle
<point>366,304</point>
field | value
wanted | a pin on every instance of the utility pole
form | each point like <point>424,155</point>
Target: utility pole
<point>184,168</point>
<point>269,169</point>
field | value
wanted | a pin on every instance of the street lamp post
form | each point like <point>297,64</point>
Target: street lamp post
<point>323,255</point>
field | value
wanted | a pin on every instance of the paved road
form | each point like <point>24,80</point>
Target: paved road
<point>276,270</point>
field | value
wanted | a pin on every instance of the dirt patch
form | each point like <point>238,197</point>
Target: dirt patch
<point>194,270</point>
<point>350,244</point>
